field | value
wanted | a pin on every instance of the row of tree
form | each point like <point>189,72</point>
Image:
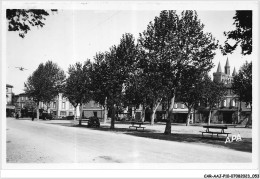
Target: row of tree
<point>170,59</point>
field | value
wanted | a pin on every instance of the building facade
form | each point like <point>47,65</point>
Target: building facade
<point>60,107</point>
<point>10,108</point>
<point>230,110</point>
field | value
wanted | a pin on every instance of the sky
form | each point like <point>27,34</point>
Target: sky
<point>71,36</point>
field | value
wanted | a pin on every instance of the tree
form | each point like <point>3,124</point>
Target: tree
<point>45,83</point>
<point>30,106</point>
<point>174,42</point>
<point>242,85</point>
<point>77,87</point>
<point>242,35</point>
<point>143,86</point>
<point>110,72</point>
<point>189,92</point>
<point>22,19</point>
<point>213,93</point>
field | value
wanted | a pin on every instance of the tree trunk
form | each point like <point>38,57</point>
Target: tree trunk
<point>168,126</point>
<point>143,113</point>
<point>105,114</point>
<point>133,113</point>
<point>209,117</point>
<point>80,113</point>
<point>154,111</point>
<point>112,126</point>
<point>250,117</point>
<point>105,111</point>
<point>188,117</point>
<point>38,111</point>
<point>75,112</point>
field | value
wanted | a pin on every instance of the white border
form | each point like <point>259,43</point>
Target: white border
<point>157,172</point>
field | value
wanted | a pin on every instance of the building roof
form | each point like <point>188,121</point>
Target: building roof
<point>9,86</point>
<point>219,68</point>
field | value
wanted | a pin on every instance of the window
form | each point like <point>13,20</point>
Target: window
<point>224,103</point>
<point>71,106</point>
<point>182,106</point>
<point>22,98</point>
<point>54,104</point>
<point>98,105</point>
<point>175,105</point>
<point>63,113</point>
<point>22,105</point>
<point>233,103</point>
<point>92,104</point>
<point>70,113</point>
<point>63,105</point>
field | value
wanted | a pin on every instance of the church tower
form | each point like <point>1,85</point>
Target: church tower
<point>227,68</point>
<point>217,76</point>
<point>219,68</point>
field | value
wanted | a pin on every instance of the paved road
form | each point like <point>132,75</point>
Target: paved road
<point>38,142</point>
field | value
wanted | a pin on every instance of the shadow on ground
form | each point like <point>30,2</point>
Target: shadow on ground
<point>245,145</point>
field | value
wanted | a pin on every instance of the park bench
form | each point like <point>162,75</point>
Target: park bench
<point>136,125</point>
<point>222,132</point>
<point>81,120</point>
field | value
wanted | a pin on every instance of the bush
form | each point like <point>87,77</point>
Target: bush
<point>45,116</point>
<point>93,122</point>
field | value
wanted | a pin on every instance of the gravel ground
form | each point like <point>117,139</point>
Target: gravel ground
<point>63,141</point>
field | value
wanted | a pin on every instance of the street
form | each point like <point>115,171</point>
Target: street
<point>39,142</point>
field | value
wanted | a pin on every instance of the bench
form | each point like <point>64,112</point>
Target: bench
<point>82,120</point>
<point>218,133</point>
<point>137,125</point>
<point>222,132</point>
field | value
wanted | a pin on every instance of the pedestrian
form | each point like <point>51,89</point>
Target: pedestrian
<point>17,115</point>
<point>32,117</point>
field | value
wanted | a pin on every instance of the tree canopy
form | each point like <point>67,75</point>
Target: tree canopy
<point>77,86</point>
<point>213,92</point>
<point>242,35</point>
<point>45,83</point>
<point>23,19</point>
<point>173,43</point>
<point>242,83</point>
<point>110,72</point>
<point>190,91</point>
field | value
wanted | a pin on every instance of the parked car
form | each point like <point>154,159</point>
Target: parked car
<point>93,122</point>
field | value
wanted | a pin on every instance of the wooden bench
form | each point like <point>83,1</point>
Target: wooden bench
<point>218,133</point>
<point>136,125</point>
<point>82,120</point>
<point>222,132</point>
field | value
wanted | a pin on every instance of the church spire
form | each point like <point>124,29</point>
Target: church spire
<point>219,68</point>
<point>234,72</point>
<point>227,63</point>
<point>227,67</point>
